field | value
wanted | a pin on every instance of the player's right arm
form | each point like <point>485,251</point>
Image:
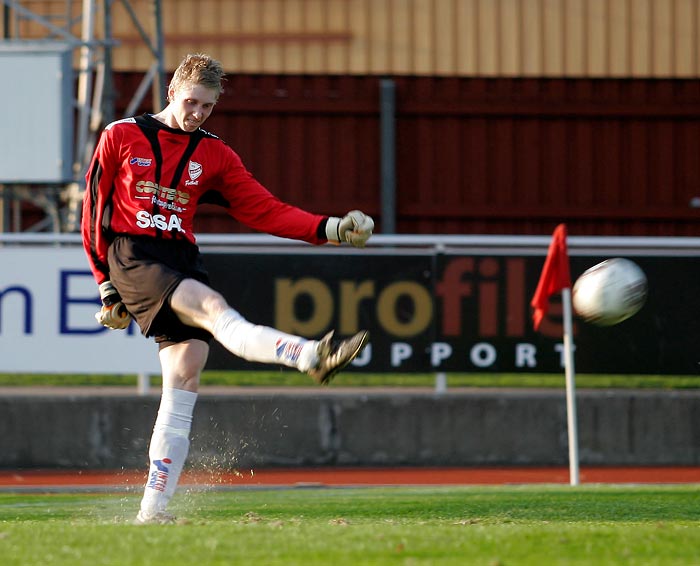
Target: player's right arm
<point>97,202</point>
<point>97,206</point>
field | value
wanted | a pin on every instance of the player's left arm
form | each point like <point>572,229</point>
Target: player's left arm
<point>253,205</point>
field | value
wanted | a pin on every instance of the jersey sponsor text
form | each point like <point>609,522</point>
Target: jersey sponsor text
<point>146,188</point>
<point>160,221</point>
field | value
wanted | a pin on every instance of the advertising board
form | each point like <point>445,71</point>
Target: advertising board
<point>460,313</point>
<point>427,310</point>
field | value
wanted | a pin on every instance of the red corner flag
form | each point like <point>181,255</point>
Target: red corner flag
<point>555,275</point>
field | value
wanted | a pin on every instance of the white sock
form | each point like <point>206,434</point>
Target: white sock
<point>169,446</point>
<point>258,343</point>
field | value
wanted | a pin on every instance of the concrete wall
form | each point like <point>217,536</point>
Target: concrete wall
<point>461,428</point>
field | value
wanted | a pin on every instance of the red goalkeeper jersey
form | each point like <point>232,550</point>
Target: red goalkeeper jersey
<point>146,179</point>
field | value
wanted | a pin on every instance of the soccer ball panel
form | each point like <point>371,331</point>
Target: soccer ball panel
<point>610,292</point>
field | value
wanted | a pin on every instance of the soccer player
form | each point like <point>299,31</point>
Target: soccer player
<point>146,178</point>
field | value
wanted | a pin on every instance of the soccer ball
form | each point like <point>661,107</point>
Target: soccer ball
<point>609,292</point>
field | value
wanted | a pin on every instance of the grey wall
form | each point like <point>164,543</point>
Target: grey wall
<point>359,429</point>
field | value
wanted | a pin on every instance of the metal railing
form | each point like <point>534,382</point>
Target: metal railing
<point>491,244</point>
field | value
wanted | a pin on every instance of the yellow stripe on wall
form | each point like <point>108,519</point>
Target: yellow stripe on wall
<point>509,38</point>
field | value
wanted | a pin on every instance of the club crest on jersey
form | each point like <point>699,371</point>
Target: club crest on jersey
<point>194,170</point>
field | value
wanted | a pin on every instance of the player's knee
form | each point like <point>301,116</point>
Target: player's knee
<point>189,381</point>
<point>214,304</point>
<point>185,376</point>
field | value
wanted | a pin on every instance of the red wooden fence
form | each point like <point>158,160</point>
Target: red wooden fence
<point>474,156</point>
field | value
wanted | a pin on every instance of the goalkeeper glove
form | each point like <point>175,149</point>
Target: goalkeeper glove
<point>113,313</point>
<point>355,228</point>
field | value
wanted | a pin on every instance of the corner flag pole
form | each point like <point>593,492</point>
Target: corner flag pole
<point>556,278</point>
<point>570,374</point>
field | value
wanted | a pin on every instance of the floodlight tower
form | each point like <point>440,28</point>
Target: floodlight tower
<point>57,188</point>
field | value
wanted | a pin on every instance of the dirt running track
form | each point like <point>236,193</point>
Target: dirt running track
<point>38,480</point>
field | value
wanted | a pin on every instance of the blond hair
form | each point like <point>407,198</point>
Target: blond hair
<point>199,69</point>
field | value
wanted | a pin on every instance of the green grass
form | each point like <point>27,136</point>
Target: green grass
<point>512,525</point>
<point>290,378</point>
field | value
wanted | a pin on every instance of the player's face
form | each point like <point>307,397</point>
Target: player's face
<point>191,105</point>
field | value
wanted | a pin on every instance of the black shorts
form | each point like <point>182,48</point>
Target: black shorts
<point>145,271</point>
